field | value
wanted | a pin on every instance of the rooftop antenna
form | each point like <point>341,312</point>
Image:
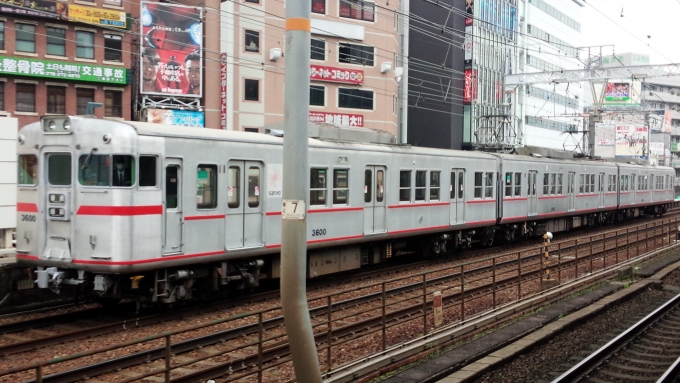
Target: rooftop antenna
<point>89,112</point>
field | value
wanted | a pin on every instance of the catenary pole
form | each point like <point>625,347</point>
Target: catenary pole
<point>295,186</point>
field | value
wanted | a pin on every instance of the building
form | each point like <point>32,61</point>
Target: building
<point>8,179</point>
<point>550,34</point>
<point>57,56</point>
<point>355,67</point>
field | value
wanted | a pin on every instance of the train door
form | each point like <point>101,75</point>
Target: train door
<point>244,222</point>
<point>457,191</point>
<point>570,190</point>
<point>375,204</point>
<point>600,191</point>
<point>531,194</point>
<point>172,199</point>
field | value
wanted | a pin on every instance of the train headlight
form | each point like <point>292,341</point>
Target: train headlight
<point>56,124</point>
<point>57,198</point>
<point>51,125</point>
<point>67,125</point>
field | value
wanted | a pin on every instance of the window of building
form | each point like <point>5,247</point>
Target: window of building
<point>206,186</point>
<point>147,171</point>
<point>421,185</point>
<point>84,45</point>
<point>253,1</point>
<point>405,186</point>
<point>2,35</point>
<point>252,90</point>
<point>252,41</point>
<point>318,49</point>
<point>83,96</point>
<point>317,95</point>
<point>113,103</point>
<point>340,186</point>
<point>355,98</point>
<point>25,97</point>
<point>434,185</point>
<point>319,6</point>
<point>25,36</point>
<point>357,10</point>
<point>56,42</point>
<point>356,54</point>
<point>2,95</point>
<point>113,47</point>
<point>317,186</point>
<point>251,130</point>
<point>56,99</point>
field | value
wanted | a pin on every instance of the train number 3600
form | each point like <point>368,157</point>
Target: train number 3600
<point>28,218</point>
<point>318,232</point>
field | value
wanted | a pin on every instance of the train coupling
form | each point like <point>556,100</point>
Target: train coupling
<point>52,278</point>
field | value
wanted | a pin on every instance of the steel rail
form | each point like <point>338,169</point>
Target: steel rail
<point>593,360</point>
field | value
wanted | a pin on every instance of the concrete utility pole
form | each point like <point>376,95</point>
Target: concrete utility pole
<point>295,186</point>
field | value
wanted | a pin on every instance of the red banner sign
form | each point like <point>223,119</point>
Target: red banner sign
<point>354,120</point>
<point>470,89</point>
<point>327,73</point>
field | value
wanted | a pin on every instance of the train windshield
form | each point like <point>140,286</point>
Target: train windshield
<point>28,169</point>
<point>106,170</point>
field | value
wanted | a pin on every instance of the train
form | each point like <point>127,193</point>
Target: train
<point>161,214</point>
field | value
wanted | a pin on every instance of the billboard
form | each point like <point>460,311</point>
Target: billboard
<point>354,120</point>
<point>46,9</point>
<point>617,91</point>
<point>631,141</point>
<point>332,74</point>
<point>171,50</point>
<point>62,70</point>
<point>92,15</point>
<point>174,117</point>
<point>470,86</point>
<point>223,91</point>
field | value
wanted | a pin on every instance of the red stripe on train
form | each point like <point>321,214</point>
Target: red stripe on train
<point>200,217</point>
<point>27,207</point>
<point>120,210</point>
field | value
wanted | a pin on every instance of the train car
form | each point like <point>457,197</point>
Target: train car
<point>161,213</point>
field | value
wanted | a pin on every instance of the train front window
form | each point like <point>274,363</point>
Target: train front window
<point>28,169</point>
<point>59,169</point>
<point>108,170</point>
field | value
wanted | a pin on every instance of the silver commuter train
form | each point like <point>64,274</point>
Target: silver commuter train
<point>162,213</point>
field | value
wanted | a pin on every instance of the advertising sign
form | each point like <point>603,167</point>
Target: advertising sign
<point>617,91</point>
<point>667,121</point>
<point>470,87</point>
<point>354,120</point>
<point>605,142</point>
<point>470,10</point>
<point>674,146</point>
<point>37,8</point>
<point>62,70</point>
<point>331,74</point>
<point>223,91</point>
<point>171,50</point>
<point>189,118</point>
<point>91,15</point>
<point>631,141</point>
<point>656,148</point>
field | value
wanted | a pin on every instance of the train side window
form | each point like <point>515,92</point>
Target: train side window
<point>147,171</point>
<point>632,182</point>
<point>405,186</point>
<point>380,185</point>
<point>518,184</point>
<point>508,184</point>
<point>488,186</point>
<point>581,183</point>
<point>553,183</point>
<point>234,187</point>
<point>479,180</point>
<point>461,179</point>
<point>340,186</point>
<point>546,183</point>
<point>171,178</point>
<point>28,169</point>
<point>592,183</point>
<point>206,186</point>
<point>452,187</point>
<point>94,170</point>
<point>368,185</point>
<point>253,186</point>
<point>559,183</point>
<point>421,184</point>
<point>317,190</point>
<point>434,186</point>
<point>59,169</point>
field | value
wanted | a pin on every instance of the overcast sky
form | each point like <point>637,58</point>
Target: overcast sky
<point>659,19</point>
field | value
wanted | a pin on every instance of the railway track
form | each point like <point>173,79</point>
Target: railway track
<point>648,351</point>
<point>348,319</point>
